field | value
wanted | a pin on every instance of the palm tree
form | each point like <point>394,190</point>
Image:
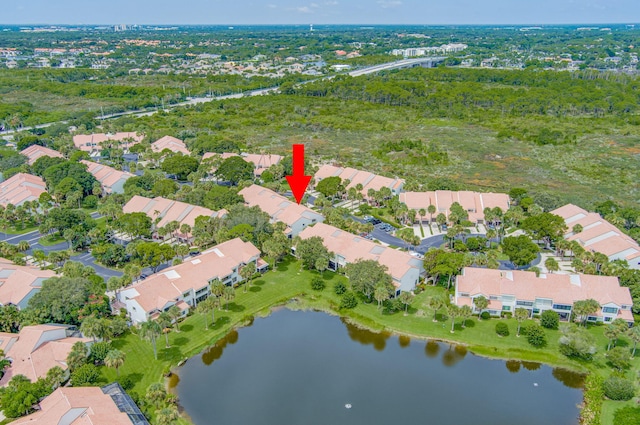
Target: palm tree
<point>23,246</point>
<point>406,298</point>
<point>165,322</point>
<point>229,294</point>
<point>465,313</point>
<point>91,326</point>
<point>77,356</point>
<point>381,294</point>
<point>551,264</point>
<point>453,311</point>
<point>520,314</point>
<point>217,288</point>
<point>634,334</point>
<point>115,359</point>
<point>480,303</point>
<point>182,250</point>
<point>4,362</point>
<point>185,229</point>
<point>150,330</point>
<point>422,212</point>
<point>55,377</point>
<point>204,307</point>
<point>246,273</point>
<point>435,303</point>
<point>611,332</point>
<point>175,313</point>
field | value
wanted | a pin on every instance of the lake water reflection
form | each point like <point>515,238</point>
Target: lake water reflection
<point>303,368</point>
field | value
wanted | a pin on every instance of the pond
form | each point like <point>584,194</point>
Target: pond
<point>312,368</point>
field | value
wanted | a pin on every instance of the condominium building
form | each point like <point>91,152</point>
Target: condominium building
<point>188,283</point>
<point>596,234</point>
<point>472,202</point>
<point>508,290</point>
<point>404,269</point>
<point>279,208</point>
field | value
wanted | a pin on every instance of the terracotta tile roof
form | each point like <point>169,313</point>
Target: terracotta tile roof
<point>473,202</point>
<point>91,142</point>
<point>352,247</point>
<point>171,143</point>
<point>277,206</point>
<point>366,179</point>
<point>598,234</point>
<point>17,282</point>
<point>561,288</point>
<point>107,176</point>
<point>34,152</point>
<point>77,406</point>
<point>38,349</point>
<point>20,188</point>
<point>169,210</point>
<point>218,262</point>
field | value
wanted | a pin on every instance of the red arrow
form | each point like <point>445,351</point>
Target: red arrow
<point>298,181</point>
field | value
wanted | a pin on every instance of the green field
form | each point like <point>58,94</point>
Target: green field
<point>603,164</point>
<point>290,286</point>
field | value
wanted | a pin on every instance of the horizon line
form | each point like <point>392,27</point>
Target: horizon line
<point>327,24</point>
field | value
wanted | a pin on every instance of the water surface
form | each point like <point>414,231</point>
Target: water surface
<point>302,368</point>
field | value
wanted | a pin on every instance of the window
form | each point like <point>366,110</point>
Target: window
<point>536,311</point>
<point>607,319</point>
<point>611,310</point>
<point>524,303</point>
<point>592,318</point>
<point>626,307</point>
<point>561,307</point>
<point>506,308</point>
<point>493,297</point>
<point>463,294</point>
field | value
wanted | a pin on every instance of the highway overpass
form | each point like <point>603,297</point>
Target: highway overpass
<point>405,63</point>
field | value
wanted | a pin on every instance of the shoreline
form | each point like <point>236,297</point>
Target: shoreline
<point>293,305</point>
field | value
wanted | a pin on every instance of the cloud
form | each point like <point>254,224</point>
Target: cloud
<point>304,9</point>
<point>272,6</point>
<point>331,3</point>
<point>386,4</point>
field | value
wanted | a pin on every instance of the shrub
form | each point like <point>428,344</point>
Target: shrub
<point>506,314</point>
<point>593,395</point>
<point>502,329</point>
<point>349,300</point>
<point>536,335</point>
<point>126,382</point>
<point>99,351</point>
<point>90,201</point>
<point>627,415</point>
<point>339,288</point>
<point>485,315</point>
<point>549,319</point>
<point>576,342</point>
<point>617,388</point>
<point>317,283</point>
<point>85,375</point>
<point>619,357</point>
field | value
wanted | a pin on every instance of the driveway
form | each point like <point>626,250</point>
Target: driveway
<point>88,260</point>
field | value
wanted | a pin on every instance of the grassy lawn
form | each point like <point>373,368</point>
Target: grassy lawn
<point>15,231</point>
<point>290,285</point>
<point>51,240</point>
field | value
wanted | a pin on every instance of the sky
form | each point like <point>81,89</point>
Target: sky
<point>268,12</point>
